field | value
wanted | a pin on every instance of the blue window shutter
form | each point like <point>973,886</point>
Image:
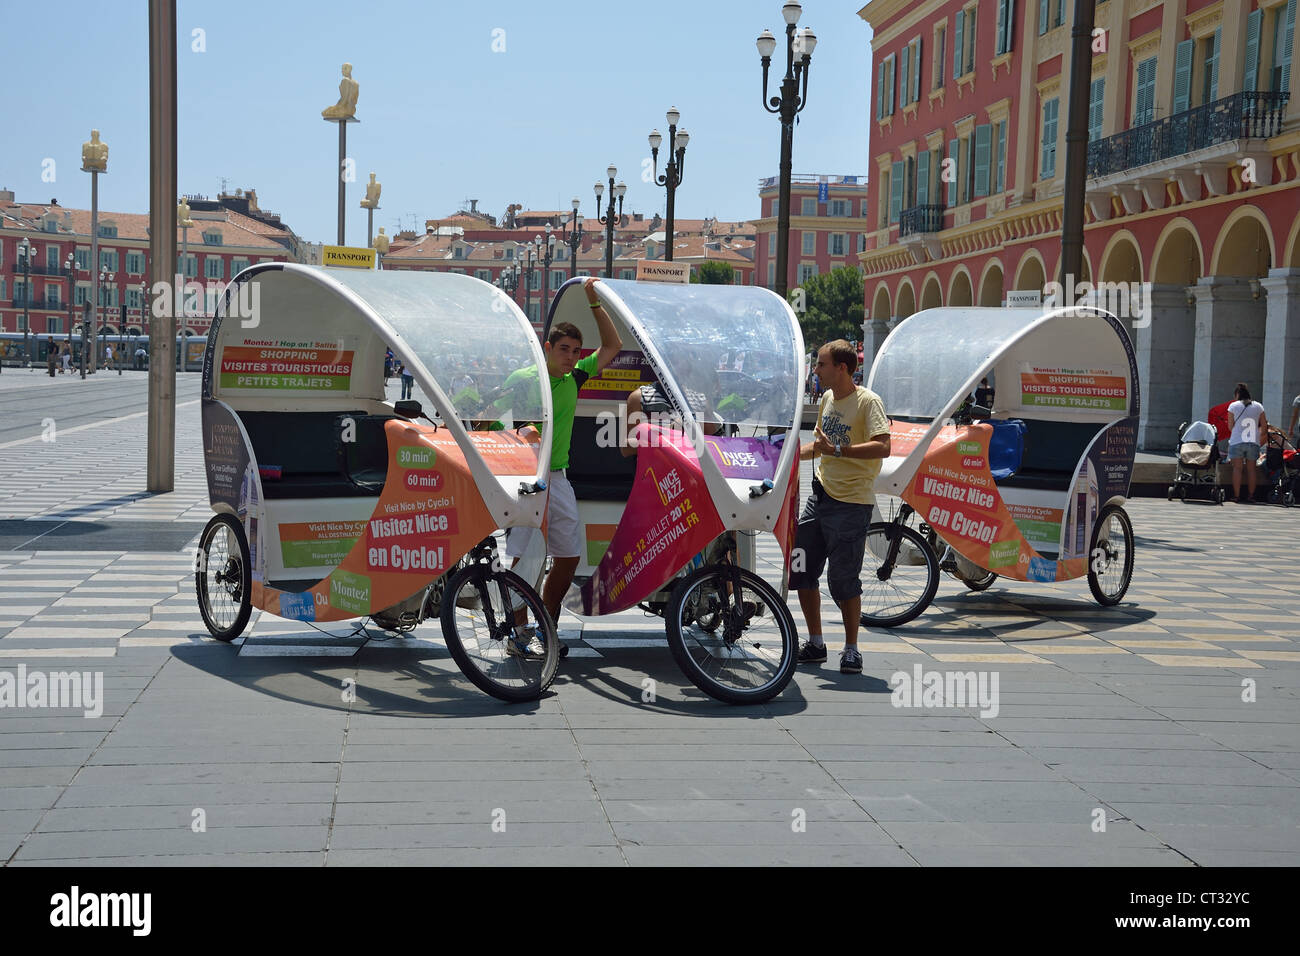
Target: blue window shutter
<point>896,192</point>
<point>1212,69</point>
<point>1007,43</point>
<point>923,178</point>
<point>1182,78</point>
<point>1048,166</point>
<point>906,86</point>
<point>952,183</point>
<point>1042,17</point>
<point>983,145</point>
<point>916,72</point>
<point>1096,97</point>
<point>957,45</point>
<point>880,91</point>
<point>1001,183</point>
<point>1287,38</point>
<point>1001,27</point>
<point>893,86</point>
<point>1250,79</point>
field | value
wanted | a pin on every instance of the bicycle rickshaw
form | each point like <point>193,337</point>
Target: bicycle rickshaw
<point>671,529</point>
<point>333,504</point>
<point>1032,488</point>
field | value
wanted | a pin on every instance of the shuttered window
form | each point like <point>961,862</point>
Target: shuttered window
<point>923,179</point>
<point>1042,16</point>
<point>1145,102</point>
<point>1210,77</point>
<point>952,182</point>
<point>896,192</point>
<point>1286,36</point>
<point>1001,184</point>
<point>1250,77</point>
<point>1047,164</point>
<point>957,48</point>
<point>983,152</point>
<point>1096,96</point>
<point>940,49</point>
<point>916,69</point>
<point>1006,16</point>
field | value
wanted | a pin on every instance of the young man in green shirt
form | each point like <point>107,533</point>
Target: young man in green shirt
<point>852,439</point>
<point>567,372</point>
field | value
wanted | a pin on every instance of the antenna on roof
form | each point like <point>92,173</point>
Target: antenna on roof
<point>224,180</point>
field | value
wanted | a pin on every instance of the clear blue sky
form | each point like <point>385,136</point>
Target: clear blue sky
<point>443,117</point>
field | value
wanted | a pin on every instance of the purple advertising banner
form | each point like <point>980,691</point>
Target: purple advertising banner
<point>754,458</point>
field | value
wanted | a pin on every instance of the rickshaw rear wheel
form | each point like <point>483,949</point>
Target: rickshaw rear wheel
<point>223,578</point>
<point>981,583</point>
<point>744,650</point>
<point>891,599</point>
<point>1110,559</point>
<point>476,631</point>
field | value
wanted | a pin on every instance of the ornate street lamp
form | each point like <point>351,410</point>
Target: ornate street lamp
<point>574,239</point>
<point>788,105</point>
<point>185,222</point>
<point>611,215</point>
<point>672,176</point>
<point>528,279</point>
<point>27,249</point>
<point>545,254</point>
<point>94,160</point>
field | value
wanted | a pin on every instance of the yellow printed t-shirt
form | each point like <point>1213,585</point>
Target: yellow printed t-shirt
<point>851,421</point>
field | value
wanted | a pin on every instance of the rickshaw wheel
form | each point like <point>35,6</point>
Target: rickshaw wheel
<point>1110,559</point>
<point>223,578</point>
<point>980,583</point>
<point>748,655</point>
<point>476,632</point>
<point>894,598</point>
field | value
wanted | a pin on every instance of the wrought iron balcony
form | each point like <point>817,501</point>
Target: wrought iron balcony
<point>1241,116</point>
<point>37,269</point>
<point>920,219</point>
<point>30,302</point>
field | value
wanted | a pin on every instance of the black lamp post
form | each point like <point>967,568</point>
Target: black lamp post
<point>26,249</point>
<point>509,280</point>
<point>672,176</point>
<point>611,216</point>
<point>788,105</point>
<point>528,279</point>
<point>545,254</point>
<point>69,265</point>
<point>574,239</point>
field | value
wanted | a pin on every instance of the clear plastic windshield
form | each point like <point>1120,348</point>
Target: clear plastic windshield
<point>467,335</point>
<point>733,351</point>
<point>934,353</point>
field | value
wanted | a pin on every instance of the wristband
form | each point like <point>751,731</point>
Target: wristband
<point>594,305</point>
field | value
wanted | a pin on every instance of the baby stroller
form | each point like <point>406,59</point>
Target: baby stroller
<point>1197,464</point>
<point>1281,468</point>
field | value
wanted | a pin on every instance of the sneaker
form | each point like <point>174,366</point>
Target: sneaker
<point>850,661</point>
<point>810,653</point>
<point>525,644</point>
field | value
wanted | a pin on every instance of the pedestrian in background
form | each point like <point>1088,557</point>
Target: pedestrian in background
<point>66,358</point>
<point>51,356</point>
<point>408,380</point>
<point>1249,424</point>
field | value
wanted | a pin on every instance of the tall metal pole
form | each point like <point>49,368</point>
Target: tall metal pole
<point>161,467</point>
<point>1076,146</point>
<point>185,275</point>
<point>528,285</point>
<point>343,152</point>
<point>88,336</point>
<point>27,298</point>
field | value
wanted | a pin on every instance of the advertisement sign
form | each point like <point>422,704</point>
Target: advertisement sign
<point>669,519</point>
<point>429,514</point>
<point>1075,389</point>
<point>286,365</point>
<point>741,457</point>
<point>629,370</point>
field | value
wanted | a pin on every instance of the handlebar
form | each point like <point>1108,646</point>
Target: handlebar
<point>757,491</point>
<point>531,487</point>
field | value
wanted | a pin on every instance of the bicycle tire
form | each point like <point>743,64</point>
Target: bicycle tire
<point>1101,548</point>
<point>480,651</point>
<point>738,652</point>
<point>872,584</point>
<point>236,567</point>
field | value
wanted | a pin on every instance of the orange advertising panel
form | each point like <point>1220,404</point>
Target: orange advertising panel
<point>903,437</point>
<point>429,515</point>
<point>954,492</point>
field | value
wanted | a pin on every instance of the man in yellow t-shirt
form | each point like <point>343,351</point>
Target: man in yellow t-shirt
<point>852,440</point>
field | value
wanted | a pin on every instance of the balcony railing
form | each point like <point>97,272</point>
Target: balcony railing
<point>30,302</point>
<point>1246,115</point>
<point>37,269</point>
<point>920,219</point>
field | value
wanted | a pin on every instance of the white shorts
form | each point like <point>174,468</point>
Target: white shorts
<point>563,534</point>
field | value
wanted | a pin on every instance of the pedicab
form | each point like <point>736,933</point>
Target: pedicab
<point>334,504</point>
<point>671,529</point>
<point>1031,488</point>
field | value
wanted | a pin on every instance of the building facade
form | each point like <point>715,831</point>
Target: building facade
<point>47,295</point>
<point>828,226</point>
<point>1193,188</point>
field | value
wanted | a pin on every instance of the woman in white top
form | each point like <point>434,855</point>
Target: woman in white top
<point>1249,425</point>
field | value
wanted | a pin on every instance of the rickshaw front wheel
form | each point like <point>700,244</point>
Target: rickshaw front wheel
<point>732,634</point>
<point>499,633</point>
<point>900,574</point>
<point>1110,559</point>
<point>223,578</point>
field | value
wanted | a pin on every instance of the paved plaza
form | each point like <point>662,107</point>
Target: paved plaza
<point>1160,732</point>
